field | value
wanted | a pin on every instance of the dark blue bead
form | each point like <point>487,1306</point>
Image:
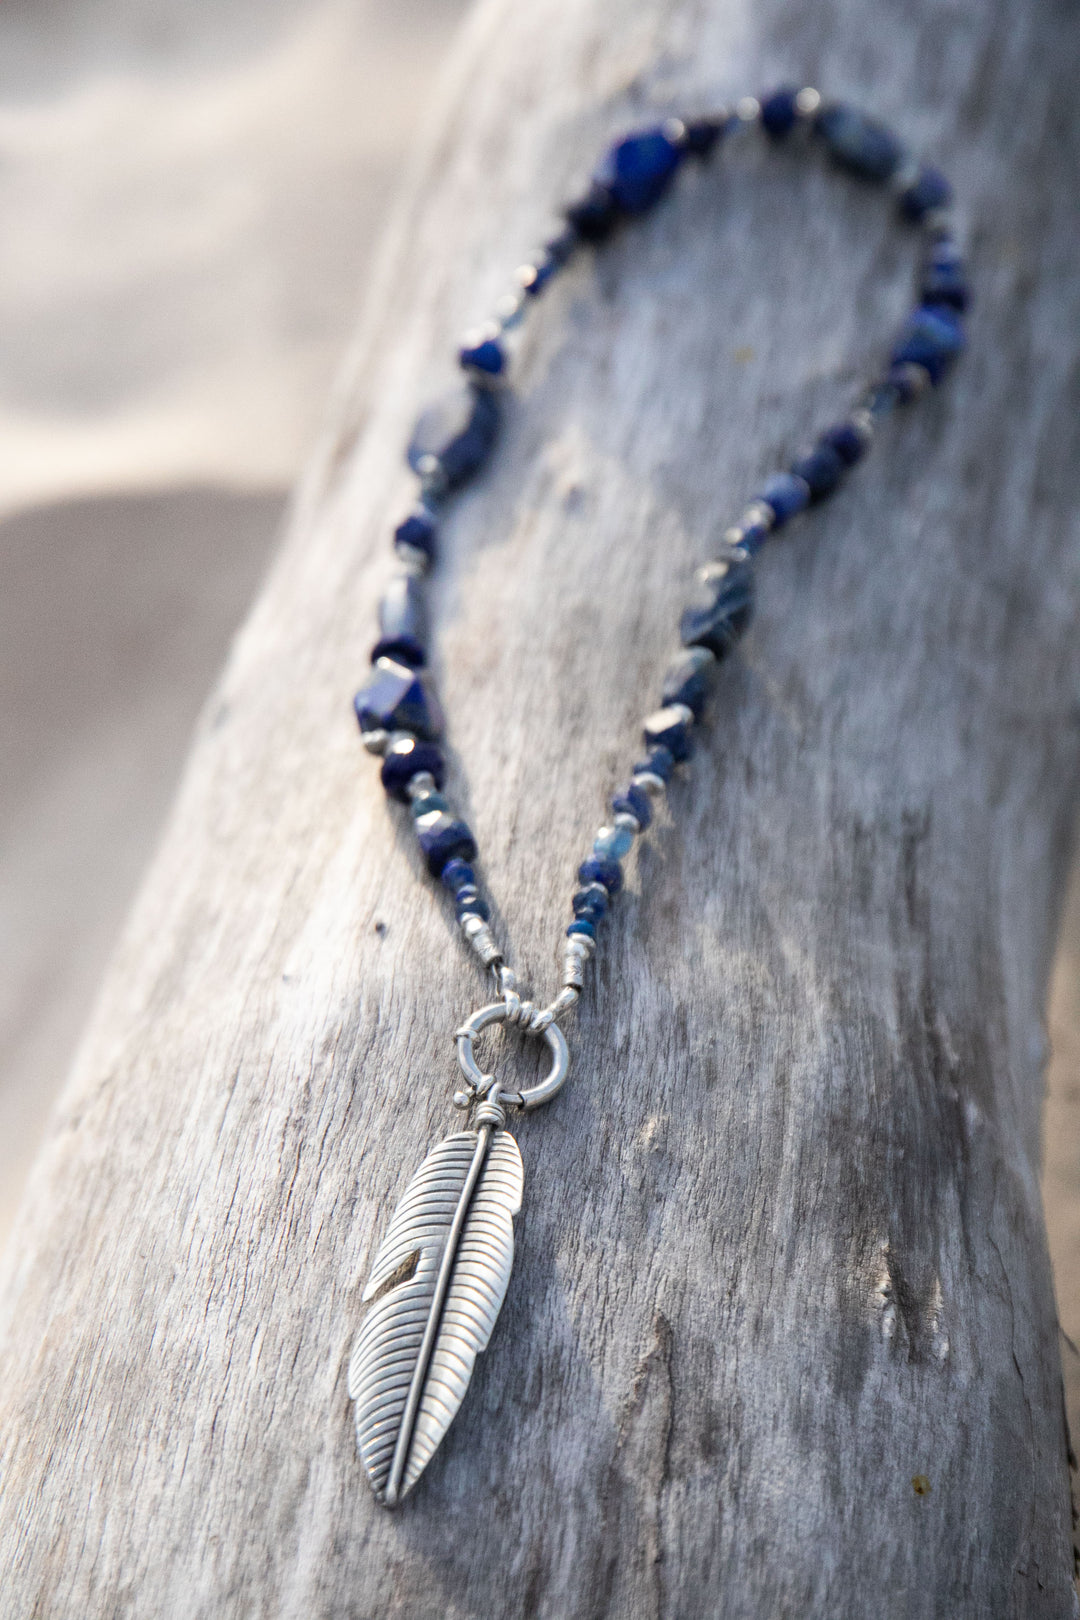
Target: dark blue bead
<point>945,284</point>
<point>633,801</point>
<point>659,762</point>
<point>847,441</point>
<point>405,759</point>
<point>443,838</point>
<point>595,215</point>
<point>487,356</point>
<point>458,875</point>
<point>725,613</point>
<point>561,248</point>
<point>455,434</point>
<point>702,134</point>
<point>931,338</point>
<point>779,114</point>
<point>402,623</point>
<point>474,907</point>
<point>418,531</point>
<point>686,681</point>
<point>929,190</point>
<point>597,870</point>
<point>638,170</point>
<point>754,536</point>
<point>882,398</point>
<point>590,903</point>
<point>858,143</point>
<point>822,469</point>
<point>668,728</point>
<point>786,494</point>
<point>397,698</point>
<point>581,925</point>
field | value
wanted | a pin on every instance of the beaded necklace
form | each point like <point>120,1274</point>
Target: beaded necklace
<point>441,1272</point>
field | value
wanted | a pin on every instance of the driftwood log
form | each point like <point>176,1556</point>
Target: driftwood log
<point>782,1248</point>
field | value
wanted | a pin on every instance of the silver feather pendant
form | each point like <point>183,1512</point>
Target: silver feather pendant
<point>436,1286</point>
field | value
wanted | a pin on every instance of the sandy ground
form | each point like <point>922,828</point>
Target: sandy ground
<point>196,188</point>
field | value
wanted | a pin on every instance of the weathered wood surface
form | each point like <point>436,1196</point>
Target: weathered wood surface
<point>782,1246</point>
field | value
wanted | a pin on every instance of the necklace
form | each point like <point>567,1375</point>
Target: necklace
<point>441,1271</point>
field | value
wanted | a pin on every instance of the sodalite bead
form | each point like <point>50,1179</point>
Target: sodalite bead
<point>943,279</point>
<point>787,494</point>
<point>638,170</point>
<point>612,843</point>
<point>686,679</point>
<point>418,532</point>
<point>402,624</point>
<point>457,874</point>
<point>633,801</point>
<point>486,355</point>
<point>596,870</point>
<point>702,134</point>
<point>932,338</point>
<point>397,698</point>
<point>821,469</point>
<point>858,143</point>
<point>455,435</point>
<point>443,838</point>
<point>929,189</point>
<point>428,802</point>
<point>725,613</point>
<point>779,114</point>
<point>591,903</point>
<point>583,927</point>
<point>670,728</point>
<point>404,759</point>
<point>594,216</point>
<point>659,761</point>
<point>845,438</point>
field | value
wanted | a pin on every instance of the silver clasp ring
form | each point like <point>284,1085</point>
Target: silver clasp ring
<point>495,1013</point>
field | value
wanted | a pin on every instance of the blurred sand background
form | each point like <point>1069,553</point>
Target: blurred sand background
<point>190,194</point>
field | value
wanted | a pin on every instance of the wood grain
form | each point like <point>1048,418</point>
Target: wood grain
<point>782,1248</point>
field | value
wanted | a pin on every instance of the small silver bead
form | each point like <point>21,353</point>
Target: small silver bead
<point>594,888</point>
<point>807,102</point>
<point>510,310</point>
<point>375,741</point>
<point>412,559</point>
<point>699,657</point>
<point>917,377</point>
<point>938,222</point>
<point>631,823</point>
<point>748,109</point>
<point>649,783</point>
<point>759,514</point>
<point>863,423</point>
<point>675,130</point>
<point>471,925</point>
<point>905,175</point>
<point>420,785</point>
<point>461,1099</point>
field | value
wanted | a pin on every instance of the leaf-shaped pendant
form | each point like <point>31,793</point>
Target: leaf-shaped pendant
<point>437,1283</point>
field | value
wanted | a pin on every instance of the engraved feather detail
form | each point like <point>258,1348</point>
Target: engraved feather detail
<point>437,1284</point>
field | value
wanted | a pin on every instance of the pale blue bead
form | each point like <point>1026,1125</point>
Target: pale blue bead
<point>612,843</point>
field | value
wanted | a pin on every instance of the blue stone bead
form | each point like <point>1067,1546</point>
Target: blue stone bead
<point>402,623</point>
<point>443,838</point>
<point>590,903</point>
<point>786,494</point>
<point>821,469</point>
<point>613,843</point>
<point>686,680</point>
<point>725,613</point>
<point>595,870</point>
<point>562,248</point>
<point>633,801</point>
<point>670,729</point>
<point>779,114</point>
<point>428,803</point>
<point>638,170</point>
<point>702,134</point>
<point>945,283</point>
<point>930,189</point>
<point>397,698</point>
<point>458,874</point>
<point>754,536</point>
<point>418,531</point>
<point>659,761</point>
<point>882,398</point>
<point>931,338</point>
<point>404,759</point>
<point>847,441</point>
<point>488,356</point>
<point>594,216</point>
<point>858,143</point>
<point>456,433</point>
<point>581,925</point>
<point>475,907</point>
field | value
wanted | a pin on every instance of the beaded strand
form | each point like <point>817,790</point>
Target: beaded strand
<point>397,708</point>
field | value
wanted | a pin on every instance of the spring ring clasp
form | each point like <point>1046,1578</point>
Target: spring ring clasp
<point>498,1012</point>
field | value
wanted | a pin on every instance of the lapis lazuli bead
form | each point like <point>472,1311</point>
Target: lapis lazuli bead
<point>858,143</point>
<point>582,926</point>
<point>821,470</point>
<point>633,801</point>
<point>928,190</point>
<point>591,903</point>
<point>846,440</point>
<point>686,680</point>
<point>402,623</point>
<point>779,113</point>
<point>613,843</point>
<point>701,134</point>
<point>418,531</point>
<point>882,398</point>
<point>943,282</point>
<point>443,838</point>
<point>638,170</point>
<point>932,338</point>
<point>659,761</point>
<point>594,216</point>
<point>428,803</point>
<point>488,356</point>
<point>754,536</point>
<point>725,614</point>
<point>457,874</point>
<point>669,728</point>
<point>406,758</point>
<point>595,870</point>
<point>397,698</point>
<point>455,435</point>
<point>787,494</point>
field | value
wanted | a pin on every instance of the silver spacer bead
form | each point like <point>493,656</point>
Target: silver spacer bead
<point>420,785</point>
<point>917,377</point>
<point>905,176</point>
<point>938,222</point>
<point>863,423</point>
<point>807,101</point>
<point>375,741</point>
<point>480,937</point>
<point>573,970</point>
<point>414,561</point>
<point>748,109</point>
<point>649,782</point>
<point>631,823</point>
